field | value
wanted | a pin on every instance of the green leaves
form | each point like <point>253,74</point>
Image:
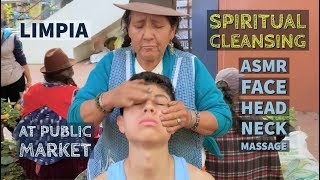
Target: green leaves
<point>297,169</point>
<point>12,172</point>
<point>8,160</point>
<point>9,115</point>
<point>288,117</point>
<point>10,168</point>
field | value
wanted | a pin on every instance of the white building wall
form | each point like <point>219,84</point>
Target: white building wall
<point>97,14</point>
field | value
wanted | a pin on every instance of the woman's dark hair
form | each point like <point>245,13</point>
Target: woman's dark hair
<point>125,21</point>
<point>157,79</point>
<point>64,76</point>
<point>226,91</point>
<point>228,96</point>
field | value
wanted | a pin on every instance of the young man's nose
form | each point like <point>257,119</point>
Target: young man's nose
<point>149,107</point>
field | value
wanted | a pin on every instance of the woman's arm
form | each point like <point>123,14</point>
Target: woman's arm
<point>21,59</point>
<point>88,105</point>
<point>27,75</point>
<point>90,113</point>
<point>207,124</point>
<point>215,115</point>
<point>124,95</point>
<point>83,109</point>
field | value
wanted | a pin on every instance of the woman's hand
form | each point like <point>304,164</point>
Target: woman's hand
<point>175,117</point>
<point>125,95</point>
<point>28,84</point>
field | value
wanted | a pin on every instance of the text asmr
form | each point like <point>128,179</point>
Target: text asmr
<point>257,88</point>
<point>65,30</point>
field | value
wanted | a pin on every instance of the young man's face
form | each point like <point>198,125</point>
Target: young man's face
<point>141,122</point>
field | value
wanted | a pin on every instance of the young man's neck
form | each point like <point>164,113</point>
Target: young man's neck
<point>149,162</point>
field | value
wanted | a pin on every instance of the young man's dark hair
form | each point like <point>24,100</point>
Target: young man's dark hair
<point>152,78</point>
<point>158,79</point>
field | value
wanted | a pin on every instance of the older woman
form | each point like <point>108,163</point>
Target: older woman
<point>150,45</point>
<point>46,105</point>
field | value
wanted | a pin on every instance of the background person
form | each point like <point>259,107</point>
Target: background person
<point>15,73</point>
<point>150,45</point>
<point>238,164</point>
<point>4,23</point>
<point>110,43</point>
<point>100,52</point>
<point>47,104</point>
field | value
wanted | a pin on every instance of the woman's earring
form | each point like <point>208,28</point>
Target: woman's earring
<point>171,47</point>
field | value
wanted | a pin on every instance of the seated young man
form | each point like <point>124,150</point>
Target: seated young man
<point>149,156</point>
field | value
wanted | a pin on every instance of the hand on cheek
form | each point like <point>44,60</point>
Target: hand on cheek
<point>176,116</point>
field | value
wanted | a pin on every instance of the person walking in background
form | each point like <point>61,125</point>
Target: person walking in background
<point>110,43</point>
<point>47,104</point>
<point>100,52</point>
<point>150,45</point>
<point>15,73</point>
<point>4,23</point>
<point>238,164</point>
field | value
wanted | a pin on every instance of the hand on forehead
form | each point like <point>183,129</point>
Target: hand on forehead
<point>157,93</point>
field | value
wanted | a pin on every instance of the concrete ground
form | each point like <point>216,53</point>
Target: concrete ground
<point>307,122</point>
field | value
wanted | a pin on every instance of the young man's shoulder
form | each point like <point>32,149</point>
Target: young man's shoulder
<point>196,173</point>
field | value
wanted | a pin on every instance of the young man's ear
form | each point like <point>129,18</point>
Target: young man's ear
<point>120,123</point>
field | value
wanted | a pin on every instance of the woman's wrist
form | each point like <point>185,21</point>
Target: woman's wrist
<point>105,102</point>
<point>197,121</point>
<point>28,79</point>
<point>101,105</point>
<point>192,119</point>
